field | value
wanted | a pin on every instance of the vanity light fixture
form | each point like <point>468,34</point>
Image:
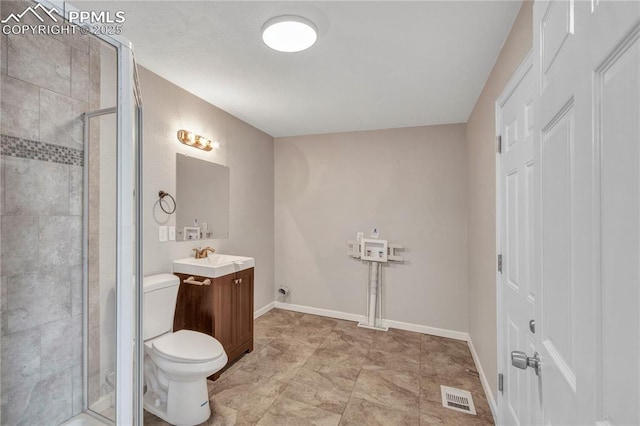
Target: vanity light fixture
<point>289,33</point>
<point>197,141</point>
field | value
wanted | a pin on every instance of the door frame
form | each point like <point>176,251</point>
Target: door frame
<point>522,70</point>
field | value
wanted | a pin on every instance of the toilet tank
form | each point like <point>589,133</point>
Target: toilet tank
<point>160,295</point>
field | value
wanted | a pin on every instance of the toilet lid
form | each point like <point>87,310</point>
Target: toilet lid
<point>189,346</point>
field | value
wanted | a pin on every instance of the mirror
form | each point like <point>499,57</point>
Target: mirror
<point>202,199</point>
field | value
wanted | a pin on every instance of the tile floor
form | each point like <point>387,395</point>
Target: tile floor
<point>311,370</point>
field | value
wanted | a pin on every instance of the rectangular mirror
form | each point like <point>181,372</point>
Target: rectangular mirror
<point>202,199</point>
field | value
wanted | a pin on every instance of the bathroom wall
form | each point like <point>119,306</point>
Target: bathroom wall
<point>247,152</point>
<point>410,183</point>
<point>45,87</point>
<point>481,140</point>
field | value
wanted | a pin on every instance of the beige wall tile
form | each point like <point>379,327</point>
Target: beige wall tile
<point>80,81</point>
<point>38,297</point>
<point>60,241</point>
<point>20,359</point>
<point>61,119</point>
<point>19,244</point>
<point>20,113</point>
<point>40,60</point>
<point>36,187</point>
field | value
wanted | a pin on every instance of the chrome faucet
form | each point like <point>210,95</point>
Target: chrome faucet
<point>202,253</point>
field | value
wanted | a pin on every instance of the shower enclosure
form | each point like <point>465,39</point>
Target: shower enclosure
<point>71,179</point>
<point>111,243</point>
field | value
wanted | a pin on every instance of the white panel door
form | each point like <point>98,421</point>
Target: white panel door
<point>518,401</point>
<point>587,227</point>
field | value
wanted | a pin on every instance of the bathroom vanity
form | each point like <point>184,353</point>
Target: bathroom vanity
<point>216,298</point>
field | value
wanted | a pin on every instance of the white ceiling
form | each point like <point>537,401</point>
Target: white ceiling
<point>375,65</point>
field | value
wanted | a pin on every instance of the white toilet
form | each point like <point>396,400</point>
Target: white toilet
<point>176,365</point>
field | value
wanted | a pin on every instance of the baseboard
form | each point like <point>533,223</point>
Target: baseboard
<point>441,332</point>
<point>485,383</point>
<point>266,308</point>
<point>321,312</point>
<point>425,329</point>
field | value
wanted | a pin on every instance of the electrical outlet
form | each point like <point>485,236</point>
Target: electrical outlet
<point>359,236</point>
<point>172,233</point>
<point>162,234</point>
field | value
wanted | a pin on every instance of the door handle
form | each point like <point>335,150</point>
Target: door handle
<point>532,326</point>
<point>520,360</point>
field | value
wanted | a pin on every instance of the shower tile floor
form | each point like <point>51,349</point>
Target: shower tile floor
<point>311,370</point>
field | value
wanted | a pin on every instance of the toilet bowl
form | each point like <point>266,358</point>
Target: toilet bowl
<point>176,364</point>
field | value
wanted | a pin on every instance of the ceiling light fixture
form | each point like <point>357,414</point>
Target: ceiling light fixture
<point>289,33</point>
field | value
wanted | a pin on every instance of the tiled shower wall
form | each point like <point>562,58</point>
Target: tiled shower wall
<point>47,83</point>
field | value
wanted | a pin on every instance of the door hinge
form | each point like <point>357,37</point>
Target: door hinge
<point>501,382</point>
<point>500,263</point>
<point>499,145</point>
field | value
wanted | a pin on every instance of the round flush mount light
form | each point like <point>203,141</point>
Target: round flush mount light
<point>289,33</point>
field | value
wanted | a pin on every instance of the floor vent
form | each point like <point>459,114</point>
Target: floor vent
<point>457,399</point>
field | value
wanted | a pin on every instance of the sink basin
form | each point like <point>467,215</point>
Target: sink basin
<point>213,266</point>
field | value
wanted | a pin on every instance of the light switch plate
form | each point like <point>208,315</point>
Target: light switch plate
<point>374,233</point>
<point>172,233</point>
<point>162,234</point>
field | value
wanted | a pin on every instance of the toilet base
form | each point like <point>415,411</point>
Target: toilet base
<point>188,403</point>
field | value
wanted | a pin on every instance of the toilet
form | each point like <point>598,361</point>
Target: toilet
<point>176,365</point>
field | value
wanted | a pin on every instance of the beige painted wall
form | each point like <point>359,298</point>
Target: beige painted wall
<point>410,183</point>
<point>247,152</point>
<point>481,139</point>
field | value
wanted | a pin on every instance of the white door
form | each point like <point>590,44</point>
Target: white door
<point>515,167</point>
<point>587,227</point>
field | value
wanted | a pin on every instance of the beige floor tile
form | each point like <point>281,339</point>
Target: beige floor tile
<point>360,412</point>
<point>443,364</point>
<point>311,329</point>
<point>351,328</point>
<point>395,389</point>
<point>221,415</point>
<point>280,360</point>
<point>250,394</point>
<point>320,389</point>
<point>379,359</point>
<point>336,363</point>
<point>443,345</point>
<point>345,343</point>
<point>286,412</point>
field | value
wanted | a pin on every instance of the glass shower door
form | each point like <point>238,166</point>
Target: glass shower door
<point>112,244</point>
<point>100,300</point>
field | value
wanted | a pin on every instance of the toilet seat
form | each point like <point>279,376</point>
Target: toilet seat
<point>188,346</point>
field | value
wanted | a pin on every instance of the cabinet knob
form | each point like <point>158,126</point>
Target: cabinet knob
<point>240,280</point>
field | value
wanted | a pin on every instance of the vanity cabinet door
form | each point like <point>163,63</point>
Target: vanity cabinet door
<point>244,303</point>
<point>194,306</point>
<point>225,311</point>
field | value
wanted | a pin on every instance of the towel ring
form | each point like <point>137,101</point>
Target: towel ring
<point>163,194</point>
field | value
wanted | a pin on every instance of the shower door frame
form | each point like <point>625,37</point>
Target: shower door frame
<point>128,389</point>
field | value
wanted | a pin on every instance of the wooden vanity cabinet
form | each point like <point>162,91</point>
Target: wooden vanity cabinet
<point>223,309</point>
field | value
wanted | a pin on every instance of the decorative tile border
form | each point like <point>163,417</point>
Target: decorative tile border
<point>33,150</point>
